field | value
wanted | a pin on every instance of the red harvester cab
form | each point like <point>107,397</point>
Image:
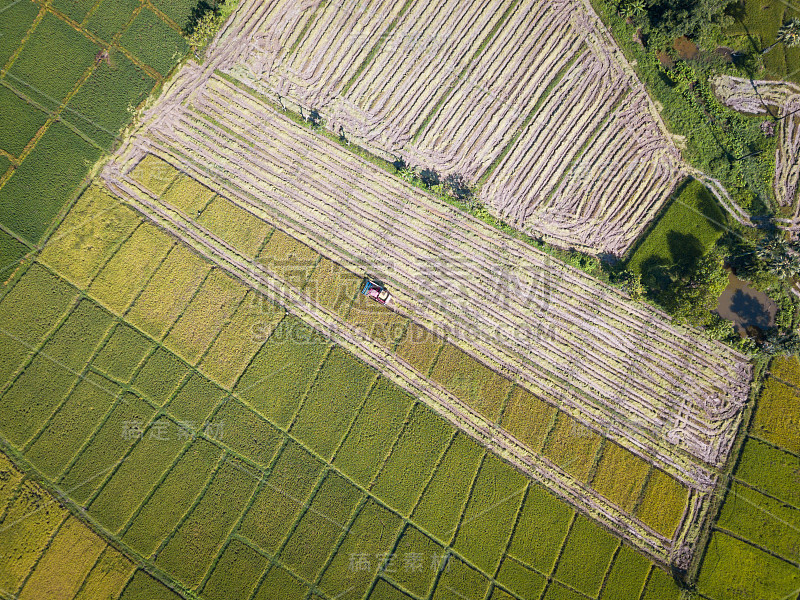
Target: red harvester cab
<point>375,291</point>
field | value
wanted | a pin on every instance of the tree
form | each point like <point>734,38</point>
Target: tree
<point>429,177</point>
<point>695,294</point>
<point>779,343</point>
<point>407,174</point>
<point>721,329</point>
<point>314,118</point>
<point>632,9</point>
<point>788,35</point>
<point>631,283</point>
<point>459,187</point>
<point>675,18</point>
<point>778,257</point>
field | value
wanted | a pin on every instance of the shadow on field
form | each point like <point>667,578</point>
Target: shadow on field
<point>684,248</point>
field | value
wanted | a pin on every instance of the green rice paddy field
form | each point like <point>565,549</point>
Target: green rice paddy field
<point>71,74</point>
<point>686,230</point>
<point>285,469</point>
<point>181,415</point>
<point>755,546</point>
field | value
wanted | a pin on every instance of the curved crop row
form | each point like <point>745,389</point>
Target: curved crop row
<point>519,95</point>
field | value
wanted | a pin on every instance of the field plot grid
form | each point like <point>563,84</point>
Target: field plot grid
<point>258,502</point>
<point>515,329</point>
<point>71,75</point>
<point>529,99</point>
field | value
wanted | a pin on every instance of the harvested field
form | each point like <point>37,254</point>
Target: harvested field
<point>510,310</point>
<point>494,97</point>
<point>553,284</point>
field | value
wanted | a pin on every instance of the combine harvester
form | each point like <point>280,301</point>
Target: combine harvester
<point>375,291</point>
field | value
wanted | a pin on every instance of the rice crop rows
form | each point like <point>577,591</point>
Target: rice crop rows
<point>486,89</point>
<point>501,296</point>
<point>256,502</point>
<point>473,262</point>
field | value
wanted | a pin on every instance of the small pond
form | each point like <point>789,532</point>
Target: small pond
<point>746,306</point>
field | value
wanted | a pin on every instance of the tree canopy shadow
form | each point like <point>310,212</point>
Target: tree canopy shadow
<point>710,209</point>
<point>655,273</point>
<point>685,249</point>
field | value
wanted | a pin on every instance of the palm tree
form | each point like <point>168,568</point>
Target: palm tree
<point>632,8</point>
<point>788,34</point>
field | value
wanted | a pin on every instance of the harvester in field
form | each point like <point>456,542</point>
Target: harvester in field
<point>375,291</point>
